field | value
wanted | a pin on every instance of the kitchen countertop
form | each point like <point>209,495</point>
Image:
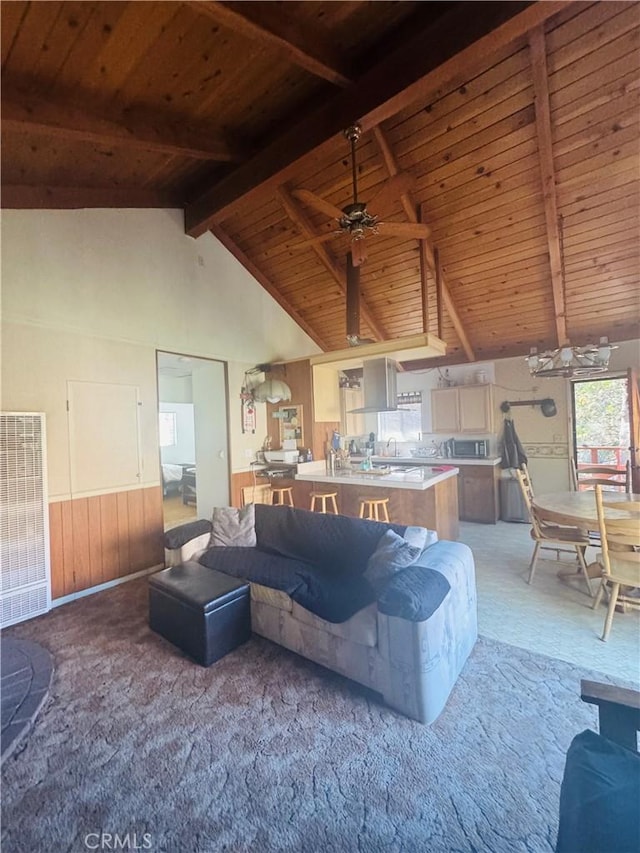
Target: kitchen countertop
<point>431,460</point>
<point>419,480</point>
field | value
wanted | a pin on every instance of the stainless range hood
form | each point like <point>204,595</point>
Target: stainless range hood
<point>380,386</point>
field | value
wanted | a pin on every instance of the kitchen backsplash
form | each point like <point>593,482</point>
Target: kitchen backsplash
<point>430,444</point>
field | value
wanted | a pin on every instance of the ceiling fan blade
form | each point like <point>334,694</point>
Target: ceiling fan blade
<point>390,192</point>
<point>317,203</point>
<point>416,230</point>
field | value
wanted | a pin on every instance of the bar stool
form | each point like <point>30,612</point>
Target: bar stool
<point>323,497</point>
<point>279,495</point>
<point>372,507</point>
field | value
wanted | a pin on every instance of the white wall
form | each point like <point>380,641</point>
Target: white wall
<point>92,294</point>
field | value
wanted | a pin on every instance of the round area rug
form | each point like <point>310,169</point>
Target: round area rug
<point>24,683</point>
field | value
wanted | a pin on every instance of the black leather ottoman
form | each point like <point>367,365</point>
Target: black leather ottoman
<point>203,612</point>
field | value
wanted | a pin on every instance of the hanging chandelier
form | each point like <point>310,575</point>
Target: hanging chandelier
<point>571,361</point>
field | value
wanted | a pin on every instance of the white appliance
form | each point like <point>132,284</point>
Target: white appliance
<point>25,581</point>
<point>289,457</point>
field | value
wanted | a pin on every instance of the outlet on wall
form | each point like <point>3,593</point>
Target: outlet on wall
<point>248,453</point>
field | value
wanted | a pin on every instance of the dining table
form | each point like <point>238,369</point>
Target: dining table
<point>578,509</point>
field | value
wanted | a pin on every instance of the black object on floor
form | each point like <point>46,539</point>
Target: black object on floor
<point>26,674</point>
<point>204,612</point>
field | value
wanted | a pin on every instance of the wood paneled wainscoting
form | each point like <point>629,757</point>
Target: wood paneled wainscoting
<point>100,538</point>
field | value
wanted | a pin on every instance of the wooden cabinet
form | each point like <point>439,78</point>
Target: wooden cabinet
<point>478,493</point>
<point>465,408</point>
<point>444,410</point>
<point>326,394</point>
<point>352,424</point>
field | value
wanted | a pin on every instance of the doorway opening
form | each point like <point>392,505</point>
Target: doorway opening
<point>601,426</point>
<point>193,433</point>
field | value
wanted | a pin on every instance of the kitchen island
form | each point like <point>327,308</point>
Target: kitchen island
<point>424,495</point>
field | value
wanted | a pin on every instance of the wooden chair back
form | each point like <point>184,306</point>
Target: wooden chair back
<point>256,495</point>
<point>620,543</point>
<point>610,476</point>
<point>526,487</point>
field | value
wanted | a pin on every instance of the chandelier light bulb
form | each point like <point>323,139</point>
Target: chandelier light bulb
<point>566,355</point>
<point>604,351</point>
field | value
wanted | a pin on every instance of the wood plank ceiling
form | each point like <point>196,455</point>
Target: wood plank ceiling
<point>517,124</point>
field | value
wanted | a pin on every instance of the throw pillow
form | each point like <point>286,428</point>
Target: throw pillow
<point>233,526</point>
<point>392,554</point>
<point>420,536</point>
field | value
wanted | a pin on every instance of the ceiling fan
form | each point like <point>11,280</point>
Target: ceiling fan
<point>355,219</point>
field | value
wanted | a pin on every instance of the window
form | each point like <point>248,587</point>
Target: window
<point>405,424</point>
<point>167,429</point>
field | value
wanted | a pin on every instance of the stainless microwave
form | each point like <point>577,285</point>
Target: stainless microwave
<point>472,448</point>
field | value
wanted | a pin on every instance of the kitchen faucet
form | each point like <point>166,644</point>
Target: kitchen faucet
<point>395,445</point>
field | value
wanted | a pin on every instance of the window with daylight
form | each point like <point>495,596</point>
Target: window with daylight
<point>405,424</point>
<point>168,429</point>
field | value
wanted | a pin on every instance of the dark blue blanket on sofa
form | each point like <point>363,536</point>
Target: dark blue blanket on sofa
<point>316,559</point>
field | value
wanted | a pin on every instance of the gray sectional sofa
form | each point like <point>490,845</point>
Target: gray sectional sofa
<point>406,637</point>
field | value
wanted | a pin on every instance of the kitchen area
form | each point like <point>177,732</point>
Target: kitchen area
<point>426,440</point>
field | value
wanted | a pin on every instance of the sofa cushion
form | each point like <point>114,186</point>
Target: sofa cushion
<point>392,554</point>
<point>233,527</point>
<point>337,543</point>
<point>273,597</point>
<point>361,628</point>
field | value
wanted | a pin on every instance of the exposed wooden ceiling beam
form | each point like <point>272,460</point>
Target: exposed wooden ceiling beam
<point>460,39</point>
<point>24,197</point>
<point>428,252</point>
<point>268,285</point>
<point>299,217</point>
<point>538,52</point>
<point>136,129</point>
<point>268,24</point>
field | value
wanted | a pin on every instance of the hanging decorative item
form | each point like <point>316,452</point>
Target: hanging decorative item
<point>248,407</point>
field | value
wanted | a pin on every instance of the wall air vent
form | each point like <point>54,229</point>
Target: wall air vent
<point>25,579</point>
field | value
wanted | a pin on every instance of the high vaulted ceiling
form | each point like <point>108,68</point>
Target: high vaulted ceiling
<point>517,124</point>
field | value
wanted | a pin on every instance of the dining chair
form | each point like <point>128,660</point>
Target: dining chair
<point>551,537</point>
<point>620,559</point>
<point>610,476</point>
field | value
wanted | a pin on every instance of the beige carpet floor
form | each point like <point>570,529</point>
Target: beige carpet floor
<point>265,751</point>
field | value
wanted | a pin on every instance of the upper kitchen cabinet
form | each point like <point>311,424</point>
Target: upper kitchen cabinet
<point>465,408</point>
<point>352,423</point>
<point>326,393</point>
